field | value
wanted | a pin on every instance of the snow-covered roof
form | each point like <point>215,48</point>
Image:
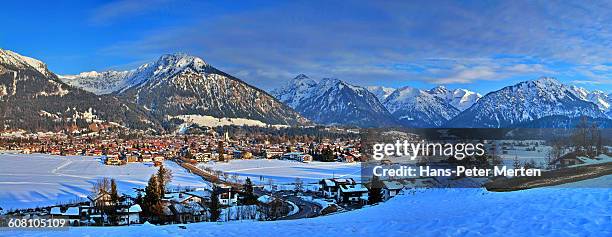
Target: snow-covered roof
<point>265,199</point>
<point>134,209</point>
<point>200,193</point>
<point>393,185</point>
<point>55,211</point>
<point>349,188</point>
<point>72,211</point>
<point>334,182</point>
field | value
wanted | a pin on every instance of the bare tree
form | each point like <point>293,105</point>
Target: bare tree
<point>299,185</point>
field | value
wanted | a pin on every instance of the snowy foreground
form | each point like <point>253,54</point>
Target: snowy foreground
<point>285,171</point>
<point>555,211</point>
<point>42,180</point>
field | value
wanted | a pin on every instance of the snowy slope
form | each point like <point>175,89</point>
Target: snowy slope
<point>179,84</point>
<point>381,92</point>
<point>106,82</point>
<point>23,62</point>
<point>332,101</point>
<point>185,85</point>
<point>598,97</point>
<point>32,97</point>
<point>555,211</point>
<point>28,181</point>
<point>418,108</point>
<point>458,98</point>
<point>524,102</point>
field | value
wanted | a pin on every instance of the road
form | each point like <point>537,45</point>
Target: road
<point>306,209</point>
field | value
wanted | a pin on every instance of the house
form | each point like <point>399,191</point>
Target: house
<point>131,158</point>
<point>329,187</point>
<point>146,158</point>
<point>71,214</point>
<point>297,156</point>
<point>227,196</point>
<point>112,160</point>
<point>101,199</point>
<point>130,215</point>
<point>566,160</point>
<point>158,159</point>
<point>271,154</point>
<point>272,207</point>
<point>347,158</point>
<point>189,212</point>
<point>352,193</point>
<point>391,189</point>
<point>203,157</point>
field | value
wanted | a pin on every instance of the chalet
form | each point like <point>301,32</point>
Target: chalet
<point>391,189</point>
<point>227,196</point>
<point>352,193</point>
<point>272,207</point>
<point>566,160</point>
<point>103,198</point>
<point>130,215</point>
<point>189,212</point>
<point>329,187</point>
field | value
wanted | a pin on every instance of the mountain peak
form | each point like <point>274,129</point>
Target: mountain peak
<point>301,77</point>
<point>179,61</point>
<point>546,81</point>
<point>438,89</point>
<point>18,60</point>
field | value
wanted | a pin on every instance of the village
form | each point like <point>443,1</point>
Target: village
<point>226,200</point>
<point>227,197</point>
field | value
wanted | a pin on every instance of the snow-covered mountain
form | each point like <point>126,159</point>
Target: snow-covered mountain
<point>21,62</point>
<point>598,97</point>
<point>381,92</point>
<point>524,102</point>
<point>33,98</point>
<point>332,101</point>
<point>107,82</point>
<point>458,98</point>
<point>181,85</point>
<point>295,91</point>
<point>418,108</point>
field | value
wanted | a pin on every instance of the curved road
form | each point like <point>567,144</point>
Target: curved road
<point>307,209</point>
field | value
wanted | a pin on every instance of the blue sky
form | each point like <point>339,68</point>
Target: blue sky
<point>479,45</point>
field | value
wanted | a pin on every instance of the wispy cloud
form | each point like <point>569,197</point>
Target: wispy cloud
<point>123,9</point>
<point>369,42</point>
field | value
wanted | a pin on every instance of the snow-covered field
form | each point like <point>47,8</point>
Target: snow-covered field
<point>550,211</point>
<point>42,180</point>
<point>285,171</point>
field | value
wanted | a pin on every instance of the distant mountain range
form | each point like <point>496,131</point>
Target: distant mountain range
<point>179,89</point>
<point>334,102</point>
<point>542,101</point>
<point>524,102</point>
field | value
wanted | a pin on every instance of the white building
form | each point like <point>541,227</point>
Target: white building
<point>130,215</point>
